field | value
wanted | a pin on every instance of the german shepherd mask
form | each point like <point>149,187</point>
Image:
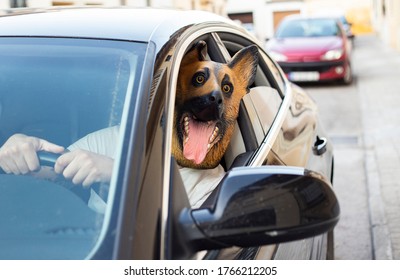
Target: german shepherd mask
<point>207,104</point>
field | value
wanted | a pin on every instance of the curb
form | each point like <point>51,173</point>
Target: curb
<point>381,244</point>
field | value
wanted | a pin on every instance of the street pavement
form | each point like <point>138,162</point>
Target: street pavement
<point>363,121</point>
<point>378,82</point>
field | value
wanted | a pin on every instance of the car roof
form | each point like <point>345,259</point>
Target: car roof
<point>134,24</point>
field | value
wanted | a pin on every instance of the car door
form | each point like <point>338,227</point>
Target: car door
<point>262,114</point>
<point>250,132</point>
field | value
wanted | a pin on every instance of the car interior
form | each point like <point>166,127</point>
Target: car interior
<point>60,99</point>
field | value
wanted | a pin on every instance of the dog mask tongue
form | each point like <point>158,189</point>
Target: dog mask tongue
<point>196,146</point>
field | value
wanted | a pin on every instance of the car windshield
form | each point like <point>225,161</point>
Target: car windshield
<point>60,90</point>
<point>319,27</point>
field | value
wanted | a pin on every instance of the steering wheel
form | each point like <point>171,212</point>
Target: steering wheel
<point>49,159</point>
<point>45,159</point>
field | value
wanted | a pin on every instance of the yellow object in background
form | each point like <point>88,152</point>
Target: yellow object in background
<point>360,19</point>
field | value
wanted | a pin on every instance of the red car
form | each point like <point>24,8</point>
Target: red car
<point>311,49</point>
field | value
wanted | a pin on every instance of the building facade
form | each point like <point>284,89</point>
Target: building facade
<point>215,6</point>
<point>265,15</point>
<point>262,16</point>
<point>386,21</point>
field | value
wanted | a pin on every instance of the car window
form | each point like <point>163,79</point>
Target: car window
<point>319,27</point>
<point>257,113</point>
<point>276,72</point>
<point>270,74</point>
<point>265,96</point>
<point>61,90</point>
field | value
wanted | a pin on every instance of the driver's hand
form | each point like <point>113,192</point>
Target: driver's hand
<point>18,154</point>
<point>84,167</point>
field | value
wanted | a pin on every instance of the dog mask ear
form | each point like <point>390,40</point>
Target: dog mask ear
<point>245,62</point>
<point>197,53</point>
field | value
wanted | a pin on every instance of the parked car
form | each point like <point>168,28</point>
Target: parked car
<point>340,15</point>
<point>65,73</point>
<point>311,49</point>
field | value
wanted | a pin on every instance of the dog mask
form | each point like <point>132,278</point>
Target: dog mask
<point>207,104</point>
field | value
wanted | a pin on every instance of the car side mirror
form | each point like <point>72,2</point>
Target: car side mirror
<point>260,206</point>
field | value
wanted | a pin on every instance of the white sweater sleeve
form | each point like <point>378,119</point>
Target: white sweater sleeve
<point>103,142</point>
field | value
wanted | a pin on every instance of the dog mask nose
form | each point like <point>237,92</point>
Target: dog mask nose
<point>208,107</point>
<point>216,97</point>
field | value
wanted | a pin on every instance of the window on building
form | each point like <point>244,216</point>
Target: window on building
<point>18,3</point>
<point>62,3</point>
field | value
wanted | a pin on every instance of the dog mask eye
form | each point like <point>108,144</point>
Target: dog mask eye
<point>226,85</point>
<point>200,78</point>
<point>226,88</point>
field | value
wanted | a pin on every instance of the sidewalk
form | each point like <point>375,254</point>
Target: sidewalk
<point>378,86</point>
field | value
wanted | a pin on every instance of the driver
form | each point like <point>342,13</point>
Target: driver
<point>91,160</point>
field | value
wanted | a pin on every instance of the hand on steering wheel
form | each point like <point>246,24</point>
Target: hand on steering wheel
<point>45,159</point>
<point>22,154</point>
<point>18,155</point>
<point>49,159</point>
